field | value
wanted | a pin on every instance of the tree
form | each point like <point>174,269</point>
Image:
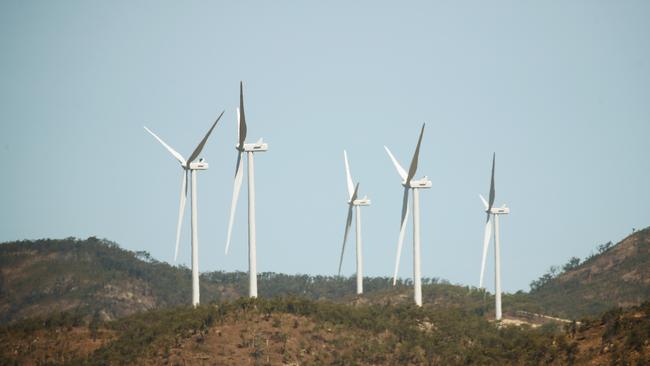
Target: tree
<point>573,262</point>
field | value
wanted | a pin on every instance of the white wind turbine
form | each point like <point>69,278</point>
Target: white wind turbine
<point>356,203</point>
<point>415,185</point>
<point>249,149</point>
<point>190,167</point>
<point>493,212</point>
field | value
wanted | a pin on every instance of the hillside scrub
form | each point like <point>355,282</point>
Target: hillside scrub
<point>374,334</point>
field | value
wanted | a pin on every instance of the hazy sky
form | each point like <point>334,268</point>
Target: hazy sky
<point>560,90</point>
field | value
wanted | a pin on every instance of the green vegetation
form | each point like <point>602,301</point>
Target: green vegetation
<point>99,279</point>
<point>96,278</point>
<point>621,336</point>
<point>401,334</point>
<point>363,335</point>
<point>92,275</point>
<point>91,302</point>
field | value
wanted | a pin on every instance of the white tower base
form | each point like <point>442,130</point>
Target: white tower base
<point>497,270</point>
<point>417,280</point>
<point>359,255</point>
<point>195,245</point>
<point>252,250</point>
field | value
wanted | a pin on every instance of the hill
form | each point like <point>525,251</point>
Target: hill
<point>95,277</point>
<point>88,301</point>
<point>89,276</point>
<point>618,276</point>
<point>299,331</point>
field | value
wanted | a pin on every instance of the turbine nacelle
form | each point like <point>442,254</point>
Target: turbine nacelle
<point>503,210</point>
<point>258,146</point>
<point>500,210</point>
<point>365,201</point>
<point>199,165</point>
<point>420,183</point>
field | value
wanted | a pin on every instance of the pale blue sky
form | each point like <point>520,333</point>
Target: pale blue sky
<point>560,90</point>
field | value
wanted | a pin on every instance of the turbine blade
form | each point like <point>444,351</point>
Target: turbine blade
<point>178,156</point>
<point>491,199</point>
<point>400,170</point>
<point>181,211</point>
<point>487,208</point>
<point>354,194</point>
<point>348,224</point>
<point>483,200</point>
<point>239,175</point>
<point>198,149</point>
<point>402,231</point>
<point>240,143</point>
<point>486,243</point>
<point>347,174</point>
<point>414,162</point>
<point>241,117</point>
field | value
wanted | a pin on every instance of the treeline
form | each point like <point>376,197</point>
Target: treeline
<point>271,284</point>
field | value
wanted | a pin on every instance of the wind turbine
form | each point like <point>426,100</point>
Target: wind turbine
<point>242,147</point>
<point>415,185</point>
<point>493,212</point>
<point>356,203</point>
<point>189,168</point>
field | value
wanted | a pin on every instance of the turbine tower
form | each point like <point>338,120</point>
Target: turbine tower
<point>242,147</point>
<point>189,168</point>
<point>415,185</point>
<point>493,212</point>
<point>354,203</point>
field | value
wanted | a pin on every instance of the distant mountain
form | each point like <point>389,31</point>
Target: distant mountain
<point>619,276</point>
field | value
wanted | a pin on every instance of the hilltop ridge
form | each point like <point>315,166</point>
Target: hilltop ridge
<point>617,276</point>
<point>95,277</point>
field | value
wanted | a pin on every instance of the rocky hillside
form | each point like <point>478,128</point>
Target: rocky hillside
<point>618,276</point>
<point>297,332</point>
